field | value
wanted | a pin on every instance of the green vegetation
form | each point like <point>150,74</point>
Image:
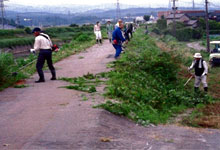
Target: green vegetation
<point>147,85</point>
<point>87,83</point>
<point>184,33</point>
<point>7,33</point>
<point>16,42</point>
<point>77,41</point>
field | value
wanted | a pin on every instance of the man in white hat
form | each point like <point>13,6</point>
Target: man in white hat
<point>201,71</point>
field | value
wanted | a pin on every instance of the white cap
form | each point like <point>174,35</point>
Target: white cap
<point>197,55</point>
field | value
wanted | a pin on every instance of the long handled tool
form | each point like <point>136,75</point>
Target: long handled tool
<point>188,80</point>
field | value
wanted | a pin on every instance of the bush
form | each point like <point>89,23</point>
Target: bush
<point>156,30</point>
<point>83,38</point>
<point>74,25</point>
<point>145,84</point>
<point>162,24</point>
<point>6,60</point>
<point>197,33</point>
<point>27,30</point>
<point>184,34</point>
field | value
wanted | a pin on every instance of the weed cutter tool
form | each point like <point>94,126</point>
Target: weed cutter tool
<point>188,80</point>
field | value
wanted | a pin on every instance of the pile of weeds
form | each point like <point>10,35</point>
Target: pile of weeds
<point>204,116</point>
<point>87,83</point>
<point>146,85</point>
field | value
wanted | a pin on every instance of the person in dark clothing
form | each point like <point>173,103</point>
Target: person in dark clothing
<point>44,44</point>
<point>118,39</point>
<point>126,32</point>
<point>201,71</point>
<point>130,29</point>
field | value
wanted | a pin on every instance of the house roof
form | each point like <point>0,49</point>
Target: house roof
<point>191,22</point>
<point>178,16</point>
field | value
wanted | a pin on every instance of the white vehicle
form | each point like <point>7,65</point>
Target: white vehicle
<point>214,57</point>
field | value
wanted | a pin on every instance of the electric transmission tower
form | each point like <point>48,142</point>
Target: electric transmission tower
<point>2,6</point>
<point>118,11</point>
<point>193,4</point>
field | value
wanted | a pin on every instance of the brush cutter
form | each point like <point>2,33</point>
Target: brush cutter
<point>23,67</point>
<point>189,80</point>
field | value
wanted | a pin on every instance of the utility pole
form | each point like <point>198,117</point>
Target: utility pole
<point>193,4</point>
<point>169,5</point>
<point>207,26</point>
<point>174,17</point>
<point>2,6</point>
<point>118,11</point>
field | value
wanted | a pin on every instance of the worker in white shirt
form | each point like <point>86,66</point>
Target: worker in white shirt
<point>43,43</point>
<point>201,71</point>
<point>97,31</point>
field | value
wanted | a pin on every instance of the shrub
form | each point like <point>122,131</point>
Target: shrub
<point>146,86</point>
<point>162,24</point>
<point>156,30</point>
<point>6,60</point>
<point>184,34</point>
<point>27,30</point>
<point>83,38</point>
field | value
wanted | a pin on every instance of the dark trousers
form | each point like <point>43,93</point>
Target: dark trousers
<point>118,49</point>
<point>45,55</point>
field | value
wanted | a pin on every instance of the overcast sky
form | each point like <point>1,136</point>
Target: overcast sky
<point>152,3</point>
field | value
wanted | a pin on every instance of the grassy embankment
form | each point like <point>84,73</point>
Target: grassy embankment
<point>203,115</point>
<point>147,82</point>
<point>76,38</point>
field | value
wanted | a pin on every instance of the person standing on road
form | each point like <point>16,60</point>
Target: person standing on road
<point>97,31</point>
<point>110,29</point>
<point>44,44</point>
<point>118,39</point>
<point>201,71</point>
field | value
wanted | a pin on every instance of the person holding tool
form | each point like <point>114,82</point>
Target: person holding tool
<point>201,71</point>
<point>118,39</point>
<point>44,44</point>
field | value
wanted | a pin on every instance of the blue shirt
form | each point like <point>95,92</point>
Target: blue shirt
<point>117,35</point>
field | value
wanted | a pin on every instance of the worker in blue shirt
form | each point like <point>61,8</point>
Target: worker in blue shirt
<point>118,39</point>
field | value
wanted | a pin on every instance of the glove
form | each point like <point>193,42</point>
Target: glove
<point>32,51</point>
<point>204,74</point>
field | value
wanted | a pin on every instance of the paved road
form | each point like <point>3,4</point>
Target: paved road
<point>44,116</point>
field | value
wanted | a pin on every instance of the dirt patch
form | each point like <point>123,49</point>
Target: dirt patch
<point>196,46</point>
<point>20,82</point>
<point>210,117</point>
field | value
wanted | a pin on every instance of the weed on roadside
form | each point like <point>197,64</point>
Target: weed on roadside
<point>87,83</point>
<point>146,85</point>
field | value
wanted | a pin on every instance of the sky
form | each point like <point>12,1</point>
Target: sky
<point>151,3</point>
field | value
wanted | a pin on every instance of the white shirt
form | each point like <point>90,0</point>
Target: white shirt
<point>97,27</point>
<point>42,43</point>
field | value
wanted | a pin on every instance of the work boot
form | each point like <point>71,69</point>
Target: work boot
<point>196,89</point>
<point>100,41</point>
<point>97,41</point>
<point>206,89</point>
<point>53,75</point>
<point>40,80</point>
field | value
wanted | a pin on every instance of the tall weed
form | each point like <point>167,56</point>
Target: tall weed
<point>146,83</point>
